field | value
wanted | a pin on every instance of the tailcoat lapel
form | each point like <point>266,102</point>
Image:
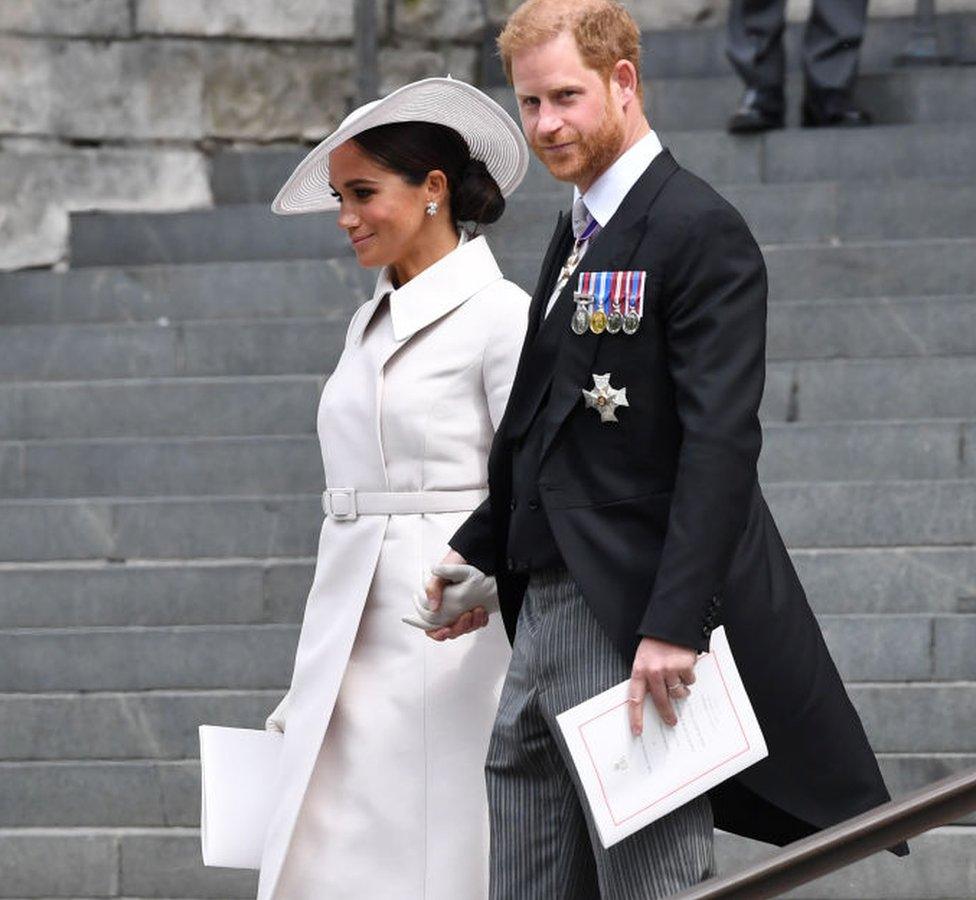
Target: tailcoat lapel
<point>522,397</point>
<point>611,250</point>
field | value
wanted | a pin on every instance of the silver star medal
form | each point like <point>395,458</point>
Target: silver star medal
<point>604,398</point>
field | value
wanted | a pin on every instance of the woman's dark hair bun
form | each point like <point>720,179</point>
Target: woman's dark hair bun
<point>413,149</point>
<point>477,197</point>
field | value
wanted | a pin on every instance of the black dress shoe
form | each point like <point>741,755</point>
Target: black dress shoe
<point>832,109</point>
<point>761,109</point>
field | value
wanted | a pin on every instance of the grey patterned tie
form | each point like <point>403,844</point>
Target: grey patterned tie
<point>584,227</point>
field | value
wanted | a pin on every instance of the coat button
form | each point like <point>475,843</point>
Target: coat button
<point>533,505</point>
<point>510,562</point>
<point>513,504</point>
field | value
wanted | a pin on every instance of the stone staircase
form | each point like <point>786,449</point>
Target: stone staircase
<point>159,473</point>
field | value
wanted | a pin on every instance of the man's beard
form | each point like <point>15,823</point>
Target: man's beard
<point>590,155</point>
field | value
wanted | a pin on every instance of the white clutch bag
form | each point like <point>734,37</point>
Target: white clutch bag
<point>239,775</point>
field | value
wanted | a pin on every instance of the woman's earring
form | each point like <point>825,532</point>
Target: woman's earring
<point>432,208</point>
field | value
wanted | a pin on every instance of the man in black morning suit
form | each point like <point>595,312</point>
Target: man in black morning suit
<point>619,545</point>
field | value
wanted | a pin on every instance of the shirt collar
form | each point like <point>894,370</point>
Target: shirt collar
<point>607,193</point>
<point>437,290</point>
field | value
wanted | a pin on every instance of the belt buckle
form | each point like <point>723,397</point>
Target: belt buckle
<point>341,504</point>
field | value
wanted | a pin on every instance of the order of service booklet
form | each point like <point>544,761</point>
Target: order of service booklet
<point>632,781</point>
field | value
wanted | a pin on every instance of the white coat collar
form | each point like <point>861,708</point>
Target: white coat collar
<point>437,290</point>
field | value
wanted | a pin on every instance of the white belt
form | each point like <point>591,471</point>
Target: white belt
<point>348,503</point>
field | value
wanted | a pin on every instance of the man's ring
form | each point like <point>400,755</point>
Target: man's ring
<point>673,687</point>
<point>634,699</point>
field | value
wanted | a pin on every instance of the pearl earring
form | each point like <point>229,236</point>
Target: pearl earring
<point>432,208</point>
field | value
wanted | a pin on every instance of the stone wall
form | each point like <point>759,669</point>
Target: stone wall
<point>117,104</point>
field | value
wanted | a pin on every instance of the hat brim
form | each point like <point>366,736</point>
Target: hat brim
<point>491,134</point>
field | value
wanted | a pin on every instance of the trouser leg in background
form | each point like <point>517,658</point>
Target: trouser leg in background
<point>832,43</point>
<point>754,41</point>
<point>543,843</point>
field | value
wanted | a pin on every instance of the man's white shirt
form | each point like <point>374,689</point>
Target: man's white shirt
<point>606,194</point>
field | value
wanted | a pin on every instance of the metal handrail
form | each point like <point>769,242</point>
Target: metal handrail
<point>885,826</point>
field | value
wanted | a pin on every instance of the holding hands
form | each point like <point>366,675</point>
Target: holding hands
<point>459,599</point>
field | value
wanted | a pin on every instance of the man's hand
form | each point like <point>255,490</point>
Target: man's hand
<point>469,621</point>
<point>664,671</point>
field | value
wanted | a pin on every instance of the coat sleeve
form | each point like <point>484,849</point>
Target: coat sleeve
<point>715,333</point>
<point>474,539</point>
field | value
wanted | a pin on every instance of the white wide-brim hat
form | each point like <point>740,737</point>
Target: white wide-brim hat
<point>489,131</point>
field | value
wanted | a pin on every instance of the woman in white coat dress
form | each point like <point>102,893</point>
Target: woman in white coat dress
<point>382,793</point>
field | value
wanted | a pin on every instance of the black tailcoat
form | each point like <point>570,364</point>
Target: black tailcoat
<point>659,517</point>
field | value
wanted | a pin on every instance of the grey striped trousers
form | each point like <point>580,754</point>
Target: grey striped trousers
<point>543,844</point>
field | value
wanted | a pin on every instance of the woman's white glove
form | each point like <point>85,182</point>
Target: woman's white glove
<point>469,588</point>
<point>276,721</point>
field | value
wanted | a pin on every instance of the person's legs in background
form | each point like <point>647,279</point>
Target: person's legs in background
<point>831,47</point>
<point>754,46</point>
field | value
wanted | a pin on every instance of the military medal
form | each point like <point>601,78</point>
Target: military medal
<point>583,297</point>
<point>615,321</point>
<point>635,302</point>
<point>604,398</point>
<point>598,319</point>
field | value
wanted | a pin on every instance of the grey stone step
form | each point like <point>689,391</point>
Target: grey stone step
<point>872,269</point>
<point>224,233</point>
<point>248,466</point>
<point>153,467</point>
<point>875,514</point>
<point>864,389</point>
<point>159,725</point>
<point>165,407</point>
<point>171,528</point>
<point>266,591</point>
<point>889,579</point>
<point>833,514</point>
<point>85,863</point>
<point>333,288</point>
<point>239,657</point>
<point>699,51</point>
<point>811,211</point>
<point>920,96</point>
<point>895,97</point>
<point>144,350</point>
<point>806,390</point>
<point>152,725</point>
<point>880,153</point>
<point>819,329</point>
<point>911,648</point>
<point>867,451</point>
<point>253,176</point>
<point>97,794</point>
<point>876,327</point>
<point>134,863</point>
<point>866,269</point>
<point>329,288</point>
<point>940,866</point>
<point>834,212</point>
<point>138,593</point>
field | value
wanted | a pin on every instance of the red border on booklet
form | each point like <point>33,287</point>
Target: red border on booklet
<point>728,759</point>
